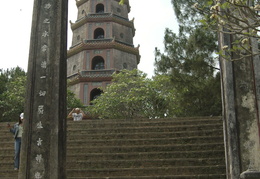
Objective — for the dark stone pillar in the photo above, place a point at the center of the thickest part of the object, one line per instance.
(43, 154)
(241, 102)
(253, 148)
(230, 115)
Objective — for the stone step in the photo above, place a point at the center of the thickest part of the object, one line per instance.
(8, 173)
(144, 141)
(144, 148)
(140, 121)
(144, 163)
(8, 137)
(6, 157)
(130, 125)
(145, 155)
(128, 156)
(144, 122)
(132, 163)
(7, 164)
(200, 176)
(134, 148)
(157, 171)
(6, 151)
(11, 174)
(188, 148)
(166, 128)
(139, 141)
(140, 134)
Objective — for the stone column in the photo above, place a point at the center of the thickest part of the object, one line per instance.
(241, 102)
(43, 154)
(229, 115)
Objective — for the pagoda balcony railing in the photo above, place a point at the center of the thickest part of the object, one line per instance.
(107, 40)
(102, 15)
(102, 40)
(92, 74)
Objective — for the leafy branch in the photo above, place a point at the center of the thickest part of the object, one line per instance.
(239, 18)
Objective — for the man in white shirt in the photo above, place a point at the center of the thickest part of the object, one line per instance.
(77, 114)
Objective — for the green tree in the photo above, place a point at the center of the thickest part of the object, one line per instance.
(187, 16)
(12, 95)
(72, 101)
(124, 98)
(133, 95)
(164, 97)
(239, 18)
(189, 61)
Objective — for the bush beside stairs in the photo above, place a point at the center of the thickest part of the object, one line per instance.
(178, 148)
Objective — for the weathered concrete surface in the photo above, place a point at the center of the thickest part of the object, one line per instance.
(43, 154)
(230, 122)
(241, 116)
(241, 100)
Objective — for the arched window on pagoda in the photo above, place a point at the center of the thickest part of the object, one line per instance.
(95, 93)
(99, 33)
(98, 63)
(100, 8)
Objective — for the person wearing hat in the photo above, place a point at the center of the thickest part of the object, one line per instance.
(17, 130)
(77, 114)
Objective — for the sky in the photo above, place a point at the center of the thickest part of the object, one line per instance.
(150, 22)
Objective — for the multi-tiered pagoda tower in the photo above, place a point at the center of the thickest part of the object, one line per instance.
(102, 44)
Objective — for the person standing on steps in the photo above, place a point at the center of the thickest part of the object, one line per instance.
(77, 114)
(17, 130)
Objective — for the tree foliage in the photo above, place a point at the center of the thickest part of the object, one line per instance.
(192, 74)
(12, 94)
(124, 98)
(133, 95)
(239, 18)
(165, 97)
(190, 62)
(72, 101)
(188, 17)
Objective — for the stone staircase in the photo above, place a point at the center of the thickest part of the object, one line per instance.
(181, 148)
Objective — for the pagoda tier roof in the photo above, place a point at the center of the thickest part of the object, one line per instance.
(98, 44)
(80, 2)
(91, 76)
(103, 17)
